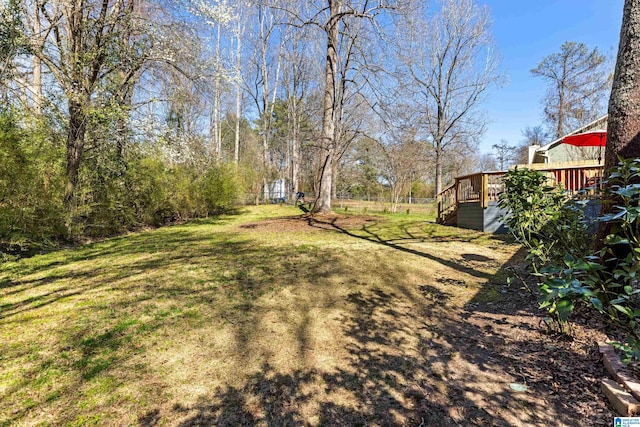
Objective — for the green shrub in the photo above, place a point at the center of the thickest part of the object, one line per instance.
(31, 185)
(150, 184)
(103, 203)
(543, 218)
(562, 256)
(219, 189)
(555, 231)
(117, 190)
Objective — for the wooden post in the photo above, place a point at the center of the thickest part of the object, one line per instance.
(484, 194)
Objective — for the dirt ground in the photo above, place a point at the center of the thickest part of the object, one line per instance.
(308, 222)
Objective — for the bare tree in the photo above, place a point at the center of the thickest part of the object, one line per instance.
(578, 81)
(218, 16)
(505, 153)
(184, 137)
(21, 73)
(297, 80)
(403, 156)
(12, 43)
(330, 104)
(173, 100)
(486, 162)
(346, 63)
(449, 63)
(221, 18)
(268, 41)
(33, 25)
(80, 44)
(333, 18)
(239, 32)
(534, 135)
(404, 161)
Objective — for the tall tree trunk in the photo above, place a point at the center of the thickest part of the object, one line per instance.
(236, 145)
(217, 139)
(37, 68)
(623, 127)
(295, 143)
(334, 179)
(126, 85)
(560, 125)
(323, 204)
(75, 147)
(37, 87)
(295, 164)
(266, 120)
(438, 167)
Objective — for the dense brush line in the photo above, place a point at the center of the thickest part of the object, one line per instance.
(116, 192)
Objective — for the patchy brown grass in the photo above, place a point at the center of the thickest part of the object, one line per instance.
(308, 222)
(272, 318)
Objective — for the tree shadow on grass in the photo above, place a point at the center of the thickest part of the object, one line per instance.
(140, 256)
(411, 357)
(373, 387)
(461, 374)
(143, 295)
(398, 242)
(32, 262)
(444, 384)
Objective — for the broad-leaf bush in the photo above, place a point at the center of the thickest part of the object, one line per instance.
(543, 218)
(556, 231)
(620, 254)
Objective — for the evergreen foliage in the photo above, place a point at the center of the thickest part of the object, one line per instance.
(556, 232)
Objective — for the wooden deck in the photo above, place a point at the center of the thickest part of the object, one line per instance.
(471, 201)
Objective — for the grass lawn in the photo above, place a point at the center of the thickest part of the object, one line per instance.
(262, 318)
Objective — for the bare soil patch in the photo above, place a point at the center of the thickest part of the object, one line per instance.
(308, 222)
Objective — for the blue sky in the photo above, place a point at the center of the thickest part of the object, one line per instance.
(526, 32)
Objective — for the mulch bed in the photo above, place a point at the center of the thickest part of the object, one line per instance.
(565, 370)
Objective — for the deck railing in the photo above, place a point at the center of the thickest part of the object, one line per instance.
(486, 187)
(447, 203)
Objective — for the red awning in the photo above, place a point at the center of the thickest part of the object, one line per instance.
(596, 138)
